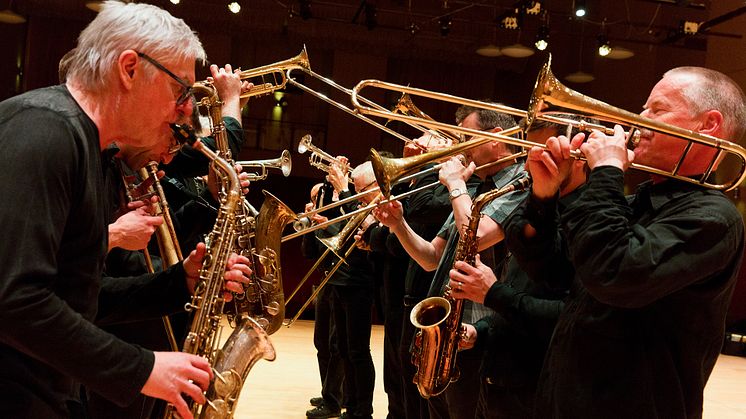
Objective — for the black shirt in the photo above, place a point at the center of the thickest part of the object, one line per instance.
(643, 328)
(53, 220)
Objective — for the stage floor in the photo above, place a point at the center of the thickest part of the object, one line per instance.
(281, 389)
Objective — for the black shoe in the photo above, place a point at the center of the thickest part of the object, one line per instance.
(322, 412)
(316, 401)
(347, 415)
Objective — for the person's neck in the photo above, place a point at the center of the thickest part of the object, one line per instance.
(98, 107)
(492, 170)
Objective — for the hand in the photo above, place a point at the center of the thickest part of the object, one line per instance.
(176, 374)
(243, 178)
(471, 282)
(391, 215)
(245, 88)
(550, 167)
(428, 142)
(608, 150)
(453, 174)
(227, 82)
(132, 231)
(468, 337)
(337, 175)
(237, 271)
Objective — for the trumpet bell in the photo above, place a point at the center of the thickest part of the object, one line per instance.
(304, 144)
(286, 163)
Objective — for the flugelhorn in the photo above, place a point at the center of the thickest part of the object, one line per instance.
(284, 163)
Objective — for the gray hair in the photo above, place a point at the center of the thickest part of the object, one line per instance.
(364, 172)
(122, 26)
(715, 90)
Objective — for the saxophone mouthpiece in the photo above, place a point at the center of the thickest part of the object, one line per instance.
(184, 134)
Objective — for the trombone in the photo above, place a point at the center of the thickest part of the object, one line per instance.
(338, 105)
(284, 163)
(549, 90)
(333, 244)
(406, 106)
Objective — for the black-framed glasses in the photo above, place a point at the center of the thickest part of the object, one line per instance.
(186, 93)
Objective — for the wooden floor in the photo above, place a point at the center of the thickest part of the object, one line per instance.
(281, 389)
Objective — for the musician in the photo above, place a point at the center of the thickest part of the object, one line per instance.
(426, 211)
(331, 370)
(461, 397)
(654, 272)
(52, 266)
(527, 296)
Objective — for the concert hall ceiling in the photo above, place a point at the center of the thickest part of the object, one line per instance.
(446, 29)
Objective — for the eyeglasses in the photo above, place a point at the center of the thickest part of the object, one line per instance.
(367, 187)
(186, 93)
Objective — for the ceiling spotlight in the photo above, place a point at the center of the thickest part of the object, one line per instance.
(511, 20)
(445, 25)
(94, 5)
(371, 17)
(579, 8)
(234, 6)
(305, 9)
(604, 48)
(542, 38)
(175, 1)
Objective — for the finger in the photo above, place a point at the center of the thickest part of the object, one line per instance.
(549, 164)
(192, 390)
(154, 220)
(465, 268)
(201, 377)
(577, 140)
(238, 275)
(135, 205)
(201, 364)
(228, 68)
(181, 408)
(478, 261)
(234, 287)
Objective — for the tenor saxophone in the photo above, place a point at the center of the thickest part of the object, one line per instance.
(439, 318)
(248, 343)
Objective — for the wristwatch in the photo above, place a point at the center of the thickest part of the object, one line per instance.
(456, 192)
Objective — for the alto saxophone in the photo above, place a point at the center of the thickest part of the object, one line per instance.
(439, 318)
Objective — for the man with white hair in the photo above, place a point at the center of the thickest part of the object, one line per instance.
(128, 81)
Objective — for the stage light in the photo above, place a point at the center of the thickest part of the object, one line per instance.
(175, 1)
(542, 38)
(580, 8)
(604, 48)
(234, 7)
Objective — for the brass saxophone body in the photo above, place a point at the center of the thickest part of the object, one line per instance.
(439, 318)
(248, 343)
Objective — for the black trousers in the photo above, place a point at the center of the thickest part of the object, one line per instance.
(460, 399)
(331, 370)
(352, 317)
(415, 406)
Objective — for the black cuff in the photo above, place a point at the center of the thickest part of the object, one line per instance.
(542, 213)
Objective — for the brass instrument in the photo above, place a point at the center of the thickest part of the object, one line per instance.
(333, 244)
(439, 318)
(284, 163)
(165, 234)
(406, 106)
(249, 342)
(376, 204)
(318, 156)
(342, 107)
(277, 71)
(549, 90)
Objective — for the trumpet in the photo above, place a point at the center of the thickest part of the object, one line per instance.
(276, 71)
(318, 156)
(284, 163)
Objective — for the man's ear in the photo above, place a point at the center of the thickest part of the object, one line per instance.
(127, 68)
(712, 123)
